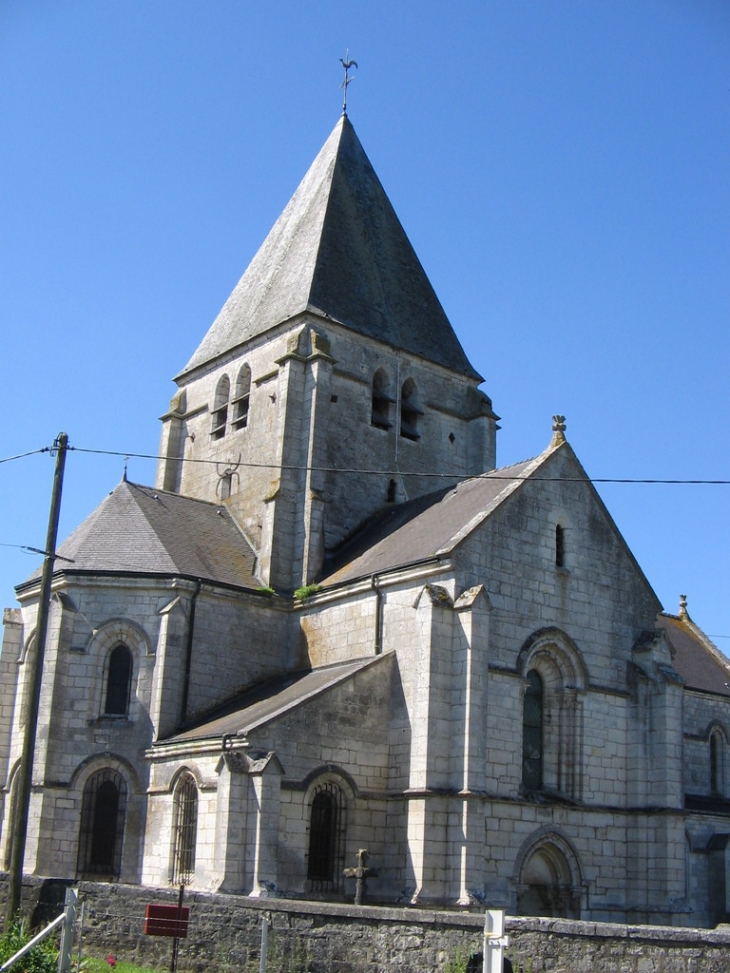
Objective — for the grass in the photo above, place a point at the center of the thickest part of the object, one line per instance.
(306, 591)
(90, 964)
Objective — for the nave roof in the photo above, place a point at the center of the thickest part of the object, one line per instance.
(140, 530)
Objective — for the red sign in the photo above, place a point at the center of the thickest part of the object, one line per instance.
(166, 920)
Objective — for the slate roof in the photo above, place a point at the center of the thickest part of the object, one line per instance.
(428, 526)
(339, 250)
(698, 661)
(271, 699)
(138, 529)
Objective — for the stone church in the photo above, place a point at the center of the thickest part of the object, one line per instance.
(334, 623)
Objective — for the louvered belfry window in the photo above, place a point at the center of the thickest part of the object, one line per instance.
(532, 719)
(242, 398)
(102, 825)
(326, 838)
(186, 831)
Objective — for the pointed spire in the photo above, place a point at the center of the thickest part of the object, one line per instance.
(339, 251)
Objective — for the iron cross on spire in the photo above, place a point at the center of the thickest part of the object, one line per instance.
(346, 64)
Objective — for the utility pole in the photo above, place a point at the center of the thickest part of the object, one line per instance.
(25, 771)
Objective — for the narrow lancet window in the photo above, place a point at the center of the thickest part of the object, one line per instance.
(326, 838)
(102, 825)
(382, 401)
(716, 764)
(242, 398)
(559, 546)
(185, 831)
(410, 412)
(220, 408)
(532, 736)
(118, 683)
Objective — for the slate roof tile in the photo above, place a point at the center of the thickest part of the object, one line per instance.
(425, 527)
(270, 700)
(138, 529)
(698, 661)
(338, 249)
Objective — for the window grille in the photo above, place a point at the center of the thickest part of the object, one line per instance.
(102, 825)
(326, 838)
(118, 683)
(532, 719)
(185, 831)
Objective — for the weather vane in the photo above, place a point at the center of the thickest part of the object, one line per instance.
(346, 64)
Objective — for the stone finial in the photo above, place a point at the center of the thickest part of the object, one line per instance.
(683, 606)
(558, 430)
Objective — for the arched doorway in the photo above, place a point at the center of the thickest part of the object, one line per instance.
(547, 885)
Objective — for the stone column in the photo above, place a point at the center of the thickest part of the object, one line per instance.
(262, 825)
(283, 527)
(169, 670)
(230, 824)
(317, 389)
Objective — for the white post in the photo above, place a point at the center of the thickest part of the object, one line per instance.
(495, 940)
(67, 931)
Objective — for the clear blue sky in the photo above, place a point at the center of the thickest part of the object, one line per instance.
(562, 169)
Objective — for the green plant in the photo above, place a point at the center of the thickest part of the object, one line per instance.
(43, 958)
(457, 964)
(92, 964)
(306, 590)
(265, 589)
(287, 955)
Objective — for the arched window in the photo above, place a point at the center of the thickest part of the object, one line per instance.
(717, 777)
(555, 677)
(119, 681)
(326, 838)
(532, 738)
(185, 831)
(241, 398)
(559, 546)
(220, 408)
(410, 412)
(382, 400)
(102, 825)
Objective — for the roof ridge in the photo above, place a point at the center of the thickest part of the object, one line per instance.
(178, 496)
(510, 487)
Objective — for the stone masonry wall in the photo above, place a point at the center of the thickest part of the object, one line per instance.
(225, 932)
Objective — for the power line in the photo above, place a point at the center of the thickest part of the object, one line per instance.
(492, 475)
(32, 452)
(449, 476)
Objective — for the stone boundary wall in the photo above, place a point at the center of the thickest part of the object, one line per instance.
(312, 937)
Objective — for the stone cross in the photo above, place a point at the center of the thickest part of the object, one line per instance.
(361, 874)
